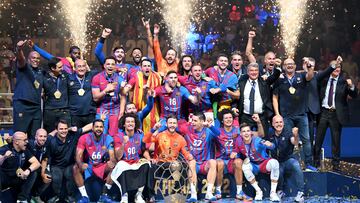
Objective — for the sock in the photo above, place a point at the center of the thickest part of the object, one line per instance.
(273, 186)
(106, 188)
(193, 190)
(209, 189)
(256, 186)
(124, 195)
(238, 189)
(140, 189)
(83, 191)
(218, 188)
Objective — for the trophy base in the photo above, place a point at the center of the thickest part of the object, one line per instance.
(175, 198)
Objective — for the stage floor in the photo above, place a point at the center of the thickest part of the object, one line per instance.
(322, 199)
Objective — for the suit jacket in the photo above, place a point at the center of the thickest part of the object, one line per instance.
(265, 92)
(341, 94)
(313, 104)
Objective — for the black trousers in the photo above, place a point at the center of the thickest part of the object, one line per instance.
(27, 117)
(328, 118)
(23, 186)
(312, 119)
(81, 121)
(61, 177)
(246, 118)
(51, 116)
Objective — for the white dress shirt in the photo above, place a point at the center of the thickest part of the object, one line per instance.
(258, 103)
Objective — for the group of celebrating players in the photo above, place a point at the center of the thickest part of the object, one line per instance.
(119, 124)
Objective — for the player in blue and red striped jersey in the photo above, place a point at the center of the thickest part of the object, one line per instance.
(254, 148)
(98, 147)
(199, 136)
(126, 70)
(171, 98)
(225, 146)
(191, 82)
(129, 148)
(225, 79)
(106, 92)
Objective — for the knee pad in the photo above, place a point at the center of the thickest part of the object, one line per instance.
(273, 167)
(247, 170)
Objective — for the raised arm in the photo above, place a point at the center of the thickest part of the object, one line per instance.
(21, 61)
(249, 47)
(46, 55)
(146, 24)
(99, 46)
(157, 50)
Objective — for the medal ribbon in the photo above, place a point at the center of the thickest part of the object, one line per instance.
(81, 81)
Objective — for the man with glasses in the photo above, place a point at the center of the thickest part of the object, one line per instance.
(289, 101)
(17, 166)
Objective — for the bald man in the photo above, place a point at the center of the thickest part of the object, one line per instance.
(81, 105)
(17, 166)
(27, 93)
(38, 147)
(285, 141)
(289, 101)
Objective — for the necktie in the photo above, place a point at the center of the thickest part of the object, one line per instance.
(252, 97)
(331, 93)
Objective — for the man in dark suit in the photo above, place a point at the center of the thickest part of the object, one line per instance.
(313, 104)
(334, 112)
(255, 96)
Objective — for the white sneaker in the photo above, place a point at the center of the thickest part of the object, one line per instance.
(259, 195)
(139, 198)
(299, 197)
(210, 197)
(274, 197)
(124, 199)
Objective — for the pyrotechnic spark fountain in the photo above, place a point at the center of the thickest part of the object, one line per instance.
(76, 14)
(177, 15)
(292, 13)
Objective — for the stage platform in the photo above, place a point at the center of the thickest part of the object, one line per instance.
(319, 187)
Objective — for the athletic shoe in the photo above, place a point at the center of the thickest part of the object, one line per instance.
(218, 194)
(299, 197)
(139, 198)
(281, 194)
(259, 196)
(192, 199)
(310, 168)
(84, 200)
(124, 199)
(36, 199)
(105, 199)
(242, 196)
(274, 197)
(53, 199)
(210, 197)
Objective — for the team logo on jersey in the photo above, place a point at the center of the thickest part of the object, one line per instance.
(103, 147)
(71, 83)
(177, 94)
(176, 144)
(20, 115)
(204, 87)
(137, 142)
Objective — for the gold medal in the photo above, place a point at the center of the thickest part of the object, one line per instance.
(19, 171)
(81, 92)
(57, 94)
(292, 90)
(36, 84)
